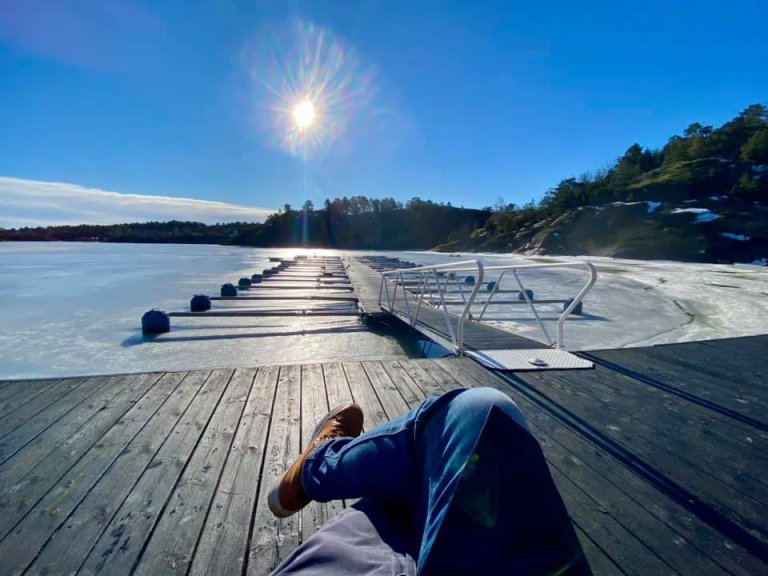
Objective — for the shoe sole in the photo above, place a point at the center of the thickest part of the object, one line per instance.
(273, 499)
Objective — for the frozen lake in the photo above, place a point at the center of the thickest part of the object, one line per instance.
(75, 308)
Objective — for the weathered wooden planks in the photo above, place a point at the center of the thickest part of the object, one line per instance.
(123, 539)
(30, 533)
(716, 476)
(97, 415)
(732, 386)
(274, 538)
(224, 537)
(21, 424)
(83, 527)
(168, 473)
(170, 549)
(16, 393)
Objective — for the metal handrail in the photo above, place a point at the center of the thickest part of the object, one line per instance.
(429, 279)
(515, 268)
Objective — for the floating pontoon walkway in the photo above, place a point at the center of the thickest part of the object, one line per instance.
(306, 287)
(661, 455)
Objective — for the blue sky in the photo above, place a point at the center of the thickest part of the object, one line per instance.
(459, 102)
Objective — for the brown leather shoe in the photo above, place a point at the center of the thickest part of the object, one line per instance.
(287, 496)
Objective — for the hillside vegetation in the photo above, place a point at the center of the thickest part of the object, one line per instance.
(702, 197)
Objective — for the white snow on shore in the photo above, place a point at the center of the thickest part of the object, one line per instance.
(732, 236)
(702, 214)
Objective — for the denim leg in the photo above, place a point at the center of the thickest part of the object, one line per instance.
(381, 464)
(447, 447)
(472, 481)
(417, 459)
(492, 495)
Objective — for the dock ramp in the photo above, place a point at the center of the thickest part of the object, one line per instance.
(447, 303)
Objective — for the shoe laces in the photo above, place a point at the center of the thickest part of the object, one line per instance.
(333, 429)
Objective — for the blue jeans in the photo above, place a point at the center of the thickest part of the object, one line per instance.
(472, 476)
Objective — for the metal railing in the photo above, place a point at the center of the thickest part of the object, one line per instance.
(428, 280)
(438, 287)
(571, 303)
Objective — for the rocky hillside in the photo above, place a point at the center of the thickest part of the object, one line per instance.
(702, 197)
(712, 229)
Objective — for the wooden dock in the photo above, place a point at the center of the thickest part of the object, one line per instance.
(661, 455)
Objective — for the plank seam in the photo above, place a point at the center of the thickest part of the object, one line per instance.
(605, 553)
(300, 519)
(391, 381)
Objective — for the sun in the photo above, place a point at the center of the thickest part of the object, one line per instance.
(304, 114)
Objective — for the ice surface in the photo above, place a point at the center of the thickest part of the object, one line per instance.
(75, 308)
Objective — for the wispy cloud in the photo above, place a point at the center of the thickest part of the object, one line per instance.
(37, 203)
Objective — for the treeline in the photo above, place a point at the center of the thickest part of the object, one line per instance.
(364, 223)
(173, 232)
(356, 222)
(703, 161)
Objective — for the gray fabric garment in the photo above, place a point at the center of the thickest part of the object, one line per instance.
(364, 540)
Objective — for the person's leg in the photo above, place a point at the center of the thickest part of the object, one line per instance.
(475, 477)
(381, 464)
(391, 461)
(448, 451)
(504, 508)
(461, 489)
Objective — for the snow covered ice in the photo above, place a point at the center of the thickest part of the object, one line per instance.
(75, 308)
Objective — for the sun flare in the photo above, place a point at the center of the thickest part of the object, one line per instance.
(304, 114)
(313, 86)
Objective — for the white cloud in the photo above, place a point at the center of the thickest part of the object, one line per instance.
(37, 203)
